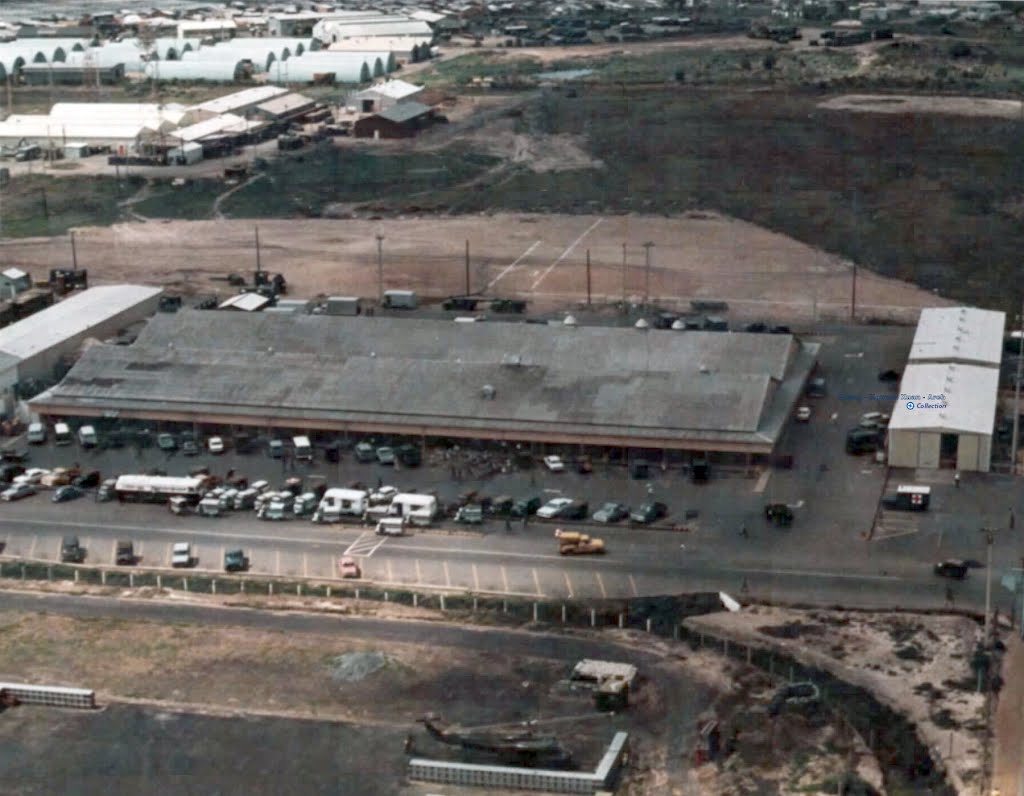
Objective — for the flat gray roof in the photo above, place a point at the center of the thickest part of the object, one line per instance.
(72, 316)
(959, 334)
(568, 381)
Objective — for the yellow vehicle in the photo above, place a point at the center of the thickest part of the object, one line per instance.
(575, 543)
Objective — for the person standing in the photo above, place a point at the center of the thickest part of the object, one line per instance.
(956, 479)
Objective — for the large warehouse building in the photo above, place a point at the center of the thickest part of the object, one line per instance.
(427, 379)
(33, 349)
(946, 412)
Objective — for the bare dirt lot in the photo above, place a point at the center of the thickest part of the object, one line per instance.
(539, 257)
(902, 104)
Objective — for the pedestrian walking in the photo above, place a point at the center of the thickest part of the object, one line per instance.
(956, 479)
(743, 531)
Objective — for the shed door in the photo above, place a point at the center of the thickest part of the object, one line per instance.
(928, 446)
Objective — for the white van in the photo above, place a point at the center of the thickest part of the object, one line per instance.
(87, 437)
(209, 507)
(338, 503)
(36, 433)
(415, 509)
(303, 449)
(391, 526)
(62, 434)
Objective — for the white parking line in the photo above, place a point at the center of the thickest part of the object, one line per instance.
(476, 579)
(391, 575)
(277, 562)
(447, 576)
(32, 549)
(632, 585)
(504, 578)
(600, 583)
(564, 254)
(536, 582)
(508, 268)
(419, 576)
(365, 546)
(568, 584)
(305, 565)
(762, 482)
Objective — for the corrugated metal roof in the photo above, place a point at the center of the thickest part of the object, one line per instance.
(285, 104)
(73, 316)
(247, 302)
(394, 89)
(225, 123)
(947, 397)
(404, 111)
(241, 99)
(586, 380)
(143, 113)
(959, 334)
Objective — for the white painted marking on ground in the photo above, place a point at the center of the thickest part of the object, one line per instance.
(504, 578)
(305, 565)
(632, 585)
(895, 534)
(277, 562)
(568, 584)
(476, 579)
(419, 576)
(814, 574)
(509, 268)
(32, 549)
(762, 482)
(600, 583)
(536, 582)
(391, 575)
(447, 575)
(365, 545)
(564, 254)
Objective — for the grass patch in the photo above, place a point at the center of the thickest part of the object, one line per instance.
(461, 71)
(192, 201)
(307, 183)
(37, 204)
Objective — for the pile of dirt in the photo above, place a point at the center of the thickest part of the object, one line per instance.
(352, 667)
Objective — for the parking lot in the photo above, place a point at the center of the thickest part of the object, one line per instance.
(833, 497)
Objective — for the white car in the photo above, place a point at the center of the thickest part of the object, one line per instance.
(383, 495)
(215, 445)
(17, 492)
(181, 554)
(803, 414)
(554, 464)
(553, 508)
(33, 475)
(874, 420)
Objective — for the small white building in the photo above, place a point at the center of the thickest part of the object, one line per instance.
(382, 96)
(946, 409)
(13, 281)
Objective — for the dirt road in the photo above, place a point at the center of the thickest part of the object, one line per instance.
(539, 257)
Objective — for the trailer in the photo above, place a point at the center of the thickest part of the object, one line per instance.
(414, 508)
(159, 488)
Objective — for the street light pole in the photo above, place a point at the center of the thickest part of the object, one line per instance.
(647, 273)
(1016, 394)
(380, 269)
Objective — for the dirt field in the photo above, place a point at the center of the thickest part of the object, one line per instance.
(896, 103)
(541, 257)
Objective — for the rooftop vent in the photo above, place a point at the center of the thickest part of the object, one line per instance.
(487, 392)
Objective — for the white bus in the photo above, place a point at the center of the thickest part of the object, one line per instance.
(159, 488)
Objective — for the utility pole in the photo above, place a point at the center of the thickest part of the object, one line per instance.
(588, 277)
(74, 252)
(380, 268)
(647, 273)
(467, 267)
(258, 266)
(1016, 392)
(853, 295)
(989, 535)
(623, 273)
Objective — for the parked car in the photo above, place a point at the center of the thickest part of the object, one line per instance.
(524, 507)
(951, 568)
(235, 561)
(332, 452)
(874, 420)
(385, 455)
(410, 455)
(471, 514)
(554, 464)
(803, 414)
(66, 493)
(33, 475)
(71, 552)
(124, 554)
(17, 492)
(364, 453)
(275, 448)
(189, 448)
(87, 480)
(9, 472)
(889, 375)
(584, 465)
(862, 440)
(816, 388)
(576, 510)
(611, 512)
(215, 445)
(167, 442)
(553, 508)
(181, 554)
(649, 512)
(348, 568)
